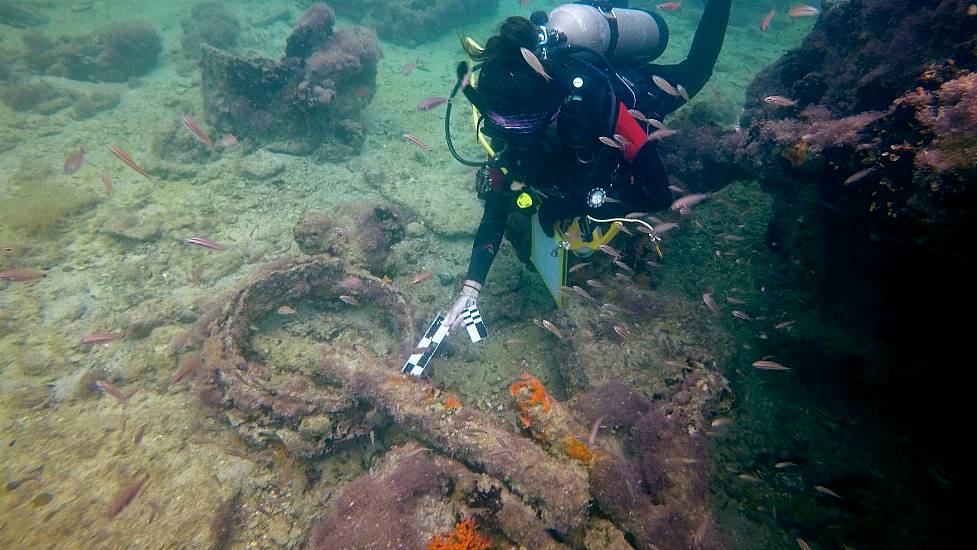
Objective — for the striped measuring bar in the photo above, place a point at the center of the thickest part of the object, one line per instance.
(428, 344)
(472, 320)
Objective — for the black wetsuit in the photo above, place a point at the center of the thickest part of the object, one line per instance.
(646, 186)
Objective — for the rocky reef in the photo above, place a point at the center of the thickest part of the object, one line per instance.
(310, 97)
(864, 137)
(361, 234)
(305, 356)
(410, 23)
(114, 53)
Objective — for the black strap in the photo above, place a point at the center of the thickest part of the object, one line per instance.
(612, 25)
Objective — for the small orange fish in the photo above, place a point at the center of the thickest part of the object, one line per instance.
(664, 85)
(583, 293)
(661, 134)
(74, 163)
(669, 6)
(417, 142)
(779, 101)
(825, 491)
(767, 20)
(124, 157)
(663, 227)
(196, 131)
(689, 201)
(801, 10)
(20, 275)
(125, 497)
(710, 303)
(115, 392)
(553, 329)
(204, 242)
(286, 310)
(768, 365)
(638, 115)
(420, 278)
(622, 265)
(682, 92)
(859, 175)
(227, 140)
(611, 143)
(101, 338)
(530, 58)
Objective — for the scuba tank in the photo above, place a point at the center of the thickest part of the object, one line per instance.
(621, 35)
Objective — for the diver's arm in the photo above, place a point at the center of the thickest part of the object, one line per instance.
(488, 237)
(694, 72)
(650, 191)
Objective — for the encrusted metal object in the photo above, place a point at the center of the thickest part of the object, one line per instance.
(277, 401)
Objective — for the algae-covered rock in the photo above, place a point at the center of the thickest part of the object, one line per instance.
(112, 54)
(96, 103)
(38, 200)
(310, 97)
(36, 96)
(360, 234)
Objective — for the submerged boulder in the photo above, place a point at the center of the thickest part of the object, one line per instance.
(311, 97)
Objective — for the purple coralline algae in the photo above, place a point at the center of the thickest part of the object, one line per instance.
(310, 97)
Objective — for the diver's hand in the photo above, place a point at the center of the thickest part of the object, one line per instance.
(467, 298)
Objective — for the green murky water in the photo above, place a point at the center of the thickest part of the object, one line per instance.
(114, 260)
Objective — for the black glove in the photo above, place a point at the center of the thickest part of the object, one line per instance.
(650, 191)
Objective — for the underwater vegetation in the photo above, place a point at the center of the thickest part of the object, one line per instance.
(409, 22)
(311, 96)
(36, 96)
(44, 98)
(112, 54)
(361, 234)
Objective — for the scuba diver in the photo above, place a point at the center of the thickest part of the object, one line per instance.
(563, 104)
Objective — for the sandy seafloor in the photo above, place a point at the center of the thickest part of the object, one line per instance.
(120, 262)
